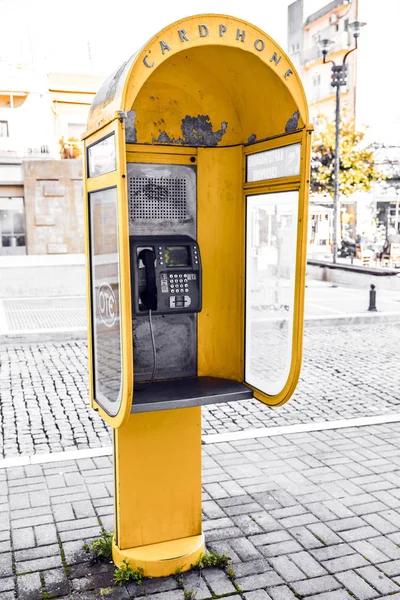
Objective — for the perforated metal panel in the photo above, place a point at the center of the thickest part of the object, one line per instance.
(162, 201)
(157, 198)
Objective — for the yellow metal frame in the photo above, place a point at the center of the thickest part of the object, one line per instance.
(300, 183)
(113, 179)
(157, 462)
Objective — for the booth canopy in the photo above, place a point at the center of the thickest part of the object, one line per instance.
(207, 80)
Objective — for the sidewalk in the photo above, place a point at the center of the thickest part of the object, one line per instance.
(50, 319)
(313, 515)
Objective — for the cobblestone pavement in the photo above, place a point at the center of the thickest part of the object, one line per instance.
(310, 515)
(347, 372)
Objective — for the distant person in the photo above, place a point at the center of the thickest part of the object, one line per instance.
(385, 250)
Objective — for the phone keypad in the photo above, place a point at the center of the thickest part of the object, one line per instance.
(178, 283)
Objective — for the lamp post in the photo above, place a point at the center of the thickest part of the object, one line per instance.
(339, 75)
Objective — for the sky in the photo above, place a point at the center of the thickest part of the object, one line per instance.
(97, 36)
(83, 35)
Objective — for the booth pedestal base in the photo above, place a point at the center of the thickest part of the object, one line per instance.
(160, 560)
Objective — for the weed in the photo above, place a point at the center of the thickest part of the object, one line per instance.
(179, 577)
(100, 550)
(212, 559)
(189, 595)
(125, 573)
(230, 572)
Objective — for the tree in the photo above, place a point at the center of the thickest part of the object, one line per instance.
(357, 169)
(72, 148)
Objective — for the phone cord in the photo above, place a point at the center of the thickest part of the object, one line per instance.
(153, 343)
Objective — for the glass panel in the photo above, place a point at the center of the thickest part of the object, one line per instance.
(105, 285)
(271, 236)
(271, 164)
(3, 128)
(12, 222)
(101, 157)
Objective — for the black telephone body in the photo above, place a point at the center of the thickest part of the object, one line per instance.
(165, 274)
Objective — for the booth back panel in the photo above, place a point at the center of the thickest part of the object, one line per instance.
(162, 201)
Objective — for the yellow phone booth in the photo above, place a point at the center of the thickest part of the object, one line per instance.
(197, 159)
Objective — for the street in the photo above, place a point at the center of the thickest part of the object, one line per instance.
(348, 372)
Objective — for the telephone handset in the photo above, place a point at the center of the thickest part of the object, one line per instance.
(166, 274)
(148, 293)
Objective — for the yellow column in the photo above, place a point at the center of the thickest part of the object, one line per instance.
(157, 472)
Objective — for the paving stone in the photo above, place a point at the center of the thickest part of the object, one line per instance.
(218, 581)
(74, 552)
(45, 534)
(247, 525)
(174, 595)
(244, 549)
(222, 534)
(251, 568)
(5, 565)
(281, 592)
(332, 552)
(390, 568)
(270, 538)
(265, 521)
(29, 586)
(386, 546)
(23, 538)
(317, 585)
(56, 582)
(38, 564)
(376, 578)
(212, 510)
(6, 584)
(256, 581)
(282, 548)
(324, 533)
(286, 569)
(355, 584)
(369, 551)
(307, 564)
(195, 582)
(336, 595)
(257, 595)
(37, 552)
(344, 563)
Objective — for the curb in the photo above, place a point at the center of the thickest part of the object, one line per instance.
(355, 319)
(47, 335)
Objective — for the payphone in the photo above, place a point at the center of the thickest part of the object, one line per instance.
(166, 275)
(196, 192)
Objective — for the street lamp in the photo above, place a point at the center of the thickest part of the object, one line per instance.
(339, 74)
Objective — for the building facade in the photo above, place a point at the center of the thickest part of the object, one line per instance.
(369, 96)
(42, 116)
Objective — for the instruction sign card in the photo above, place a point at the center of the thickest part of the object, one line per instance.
(273, 164)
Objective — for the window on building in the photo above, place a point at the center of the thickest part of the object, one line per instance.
(12, 100)
(3, 128)
(75, 130)
(316, 80)
(12, 225)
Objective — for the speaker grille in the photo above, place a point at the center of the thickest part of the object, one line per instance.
(157, 198)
